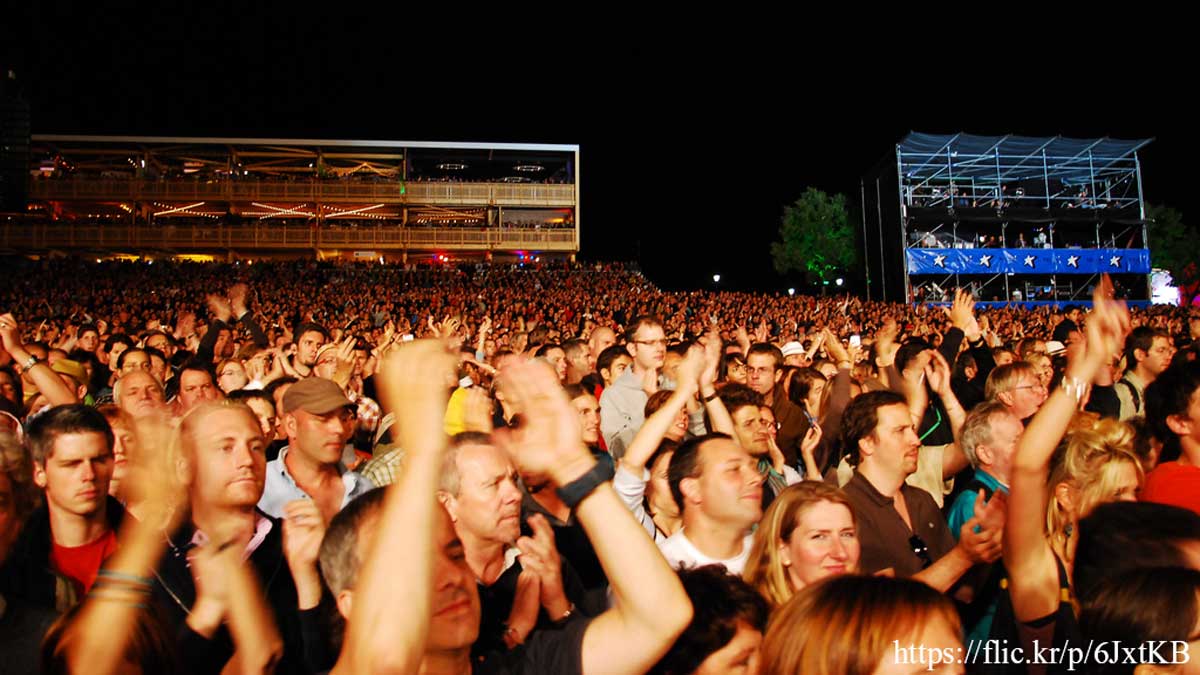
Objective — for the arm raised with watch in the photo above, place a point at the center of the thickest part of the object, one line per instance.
(34, 369)
(651, 607)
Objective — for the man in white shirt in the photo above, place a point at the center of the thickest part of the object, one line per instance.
(719, 490)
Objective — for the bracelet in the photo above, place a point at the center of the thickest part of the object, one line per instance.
(121, 576)
(1076, 388)
(710, 398)
(102, 585)
(32, 361)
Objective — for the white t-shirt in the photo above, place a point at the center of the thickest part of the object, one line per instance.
(680, 552)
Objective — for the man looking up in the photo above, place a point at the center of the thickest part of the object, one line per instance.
(719, 492)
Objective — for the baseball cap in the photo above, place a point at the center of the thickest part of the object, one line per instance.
(315, 395)
(793, 347)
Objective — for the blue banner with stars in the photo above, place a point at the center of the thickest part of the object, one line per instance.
(1028, 260)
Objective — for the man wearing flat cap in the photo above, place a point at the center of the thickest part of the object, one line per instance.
(318, 420)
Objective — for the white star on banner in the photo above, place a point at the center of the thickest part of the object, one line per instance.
(986, 261)
(1029, 261)
(1073, 261)
(939, 260)
(1115, 261)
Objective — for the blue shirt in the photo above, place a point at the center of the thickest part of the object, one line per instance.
(280, 488)
(963, 508)
(962, 511)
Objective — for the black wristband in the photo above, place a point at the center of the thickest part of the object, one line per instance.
(577, 490)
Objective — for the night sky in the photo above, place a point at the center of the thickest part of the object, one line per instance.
(691, 142)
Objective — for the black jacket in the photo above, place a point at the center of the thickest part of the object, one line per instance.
(305, 633)
(27, 575)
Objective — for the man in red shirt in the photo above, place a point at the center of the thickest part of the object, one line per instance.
(1173, 413)
(65, 542)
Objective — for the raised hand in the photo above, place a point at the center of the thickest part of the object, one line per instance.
(712, 358)
(937, 373)
(303, 530)
(691, 369)
(549, 441)
(415, 381)
(986, 545)
(10, 333)
(540, 556)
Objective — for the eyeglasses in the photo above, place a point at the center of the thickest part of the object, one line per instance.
(662, 342)
(1029, 386)
(921, 549)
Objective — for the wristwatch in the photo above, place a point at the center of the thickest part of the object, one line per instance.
(29, 363)
(574, 492)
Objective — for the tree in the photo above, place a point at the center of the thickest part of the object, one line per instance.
(816, 237)
(1174, 247)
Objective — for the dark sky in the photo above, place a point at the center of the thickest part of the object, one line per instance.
(692, 141)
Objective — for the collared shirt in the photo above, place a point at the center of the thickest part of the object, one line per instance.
(883, 534)
(281, 488)
(382, 470)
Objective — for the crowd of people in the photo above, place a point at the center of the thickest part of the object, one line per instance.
(327, 467)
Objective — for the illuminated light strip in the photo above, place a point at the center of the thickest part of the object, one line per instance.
(281, 212)
(341, 213)
(178, 210)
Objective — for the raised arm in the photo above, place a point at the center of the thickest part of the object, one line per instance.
(390, 619)
(718, 414)
(237, 297)
(651, 607)
(1027, 553)
(647, 439)
(48, 382)
(937, 373)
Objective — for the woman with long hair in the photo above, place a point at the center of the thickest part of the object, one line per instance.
(808, 533)
(1054, 485)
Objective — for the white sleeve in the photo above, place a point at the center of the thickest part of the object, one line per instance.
(791, 476)
(632, 490)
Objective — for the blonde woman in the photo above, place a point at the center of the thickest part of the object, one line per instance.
(858, 625)
(809, 533)
(1056, 484)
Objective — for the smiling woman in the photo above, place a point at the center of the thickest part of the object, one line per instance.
(809, 533)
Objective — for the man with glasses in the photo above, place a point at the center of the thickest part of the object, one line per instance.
(318, 420)
(764, 374)
(623, 404)
(1018, 387)
(900, 527)
(1148, 352)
